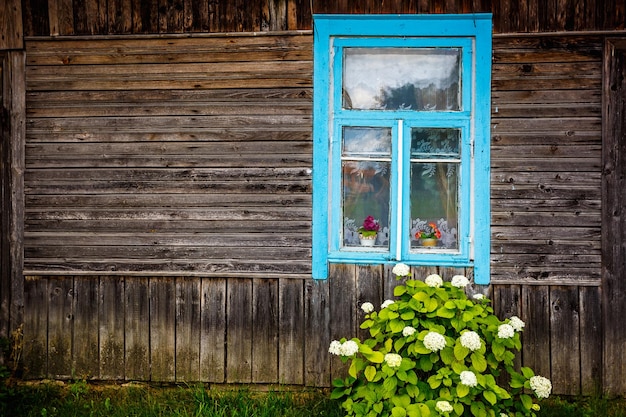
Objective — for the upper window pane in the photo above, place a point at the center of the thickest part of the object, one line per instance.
(421, 79)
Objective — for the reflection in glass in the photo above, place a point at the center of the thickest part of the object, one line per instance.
(421, 79)
(366, 163)
(434, 176)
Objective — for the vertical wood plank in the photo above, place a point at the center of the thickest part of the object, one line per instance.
(369, 288)
(591, 337)
(188, 301)
(35, 327)
(162, 329)
(614, 219)
(14, 101)
(119, 16)
(60, 326)
(291, 336)
(317, 326)
(265, 306)
(239, 328)
(137, 328)
(565, 340)
(112, 327)
(85, 334)
(342, 280)
(536, 347)
(213, 330)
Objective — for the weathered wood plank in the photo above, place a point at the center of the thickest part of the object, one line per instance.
(369, 288)
(60, 324)
(213, 330)
(188, 319)
(536, 315)
(35, 327)
(317, 322)
(565, 340)
(137, 328)
(266, 317)
(591, 340)
(239, 331)
(112, 330)
(162, 329)
(343, 305)
(614, 221)
(85, 341)
(291, 336)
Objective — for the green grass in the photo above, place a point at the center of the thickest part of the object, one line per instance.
(83, 399)
(80, 398)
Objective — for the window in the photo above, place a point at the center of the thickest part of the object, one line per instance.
(401, 140)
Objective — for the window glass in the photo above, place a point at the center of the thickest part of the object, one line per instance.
(435, 166)
(421, 79)
(365, 170)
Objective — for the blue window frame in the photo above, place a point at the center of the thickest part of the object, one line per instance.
(401, 140)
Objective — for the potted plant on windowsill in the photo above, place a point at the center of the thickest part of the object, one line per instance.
(429, 236)
(368, 231)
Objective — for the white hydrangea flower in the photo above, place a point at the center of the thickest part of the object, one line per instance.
(469, 378)
(401, 270)
(459, 281)
(470, 340)
(349, 348)
(386, 304)
(335, 347)
(434, 341)
(434, 280)
(443, 407)
(393, 360)
(408, 331)
(504, 415)
(367, 307)
(505, 331)
(478, 296)
(516, 323)
(542, 386)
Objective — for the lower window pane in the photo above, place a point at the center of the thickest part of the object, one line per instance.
(434, 205)
(365, 194)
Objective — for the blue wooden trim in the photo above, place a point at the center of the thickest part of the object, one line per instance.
(332, 32)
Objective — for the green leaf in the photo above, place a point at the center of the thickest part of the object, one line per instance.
(396, 326)
(479, 362)
(399, 290)
(408, 315)
(490, 396)
(370, 372)
(398, 412)
(445, 313)
(374, 357)
(527, 402)
(462, 390)
(401, 400)
(527, 372)
(367, 323)
(447, 355)
(352, 371)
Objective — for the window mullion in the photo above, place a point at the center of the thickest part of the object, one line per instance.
(399, 205)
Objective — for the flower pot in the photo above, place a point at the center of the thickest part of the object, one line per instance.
(429, 242)
(367, 240)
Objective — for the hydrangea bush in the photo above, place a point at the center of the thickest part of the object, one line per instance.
(434, 352)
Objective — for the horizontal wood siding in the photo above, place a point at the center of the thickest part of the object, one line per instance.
(169, 155)
(546, 160)
(91, 17)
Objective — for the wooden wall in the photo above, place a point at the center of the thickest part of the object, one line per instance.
(91, 17)
(179, 143)
(169, 156)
